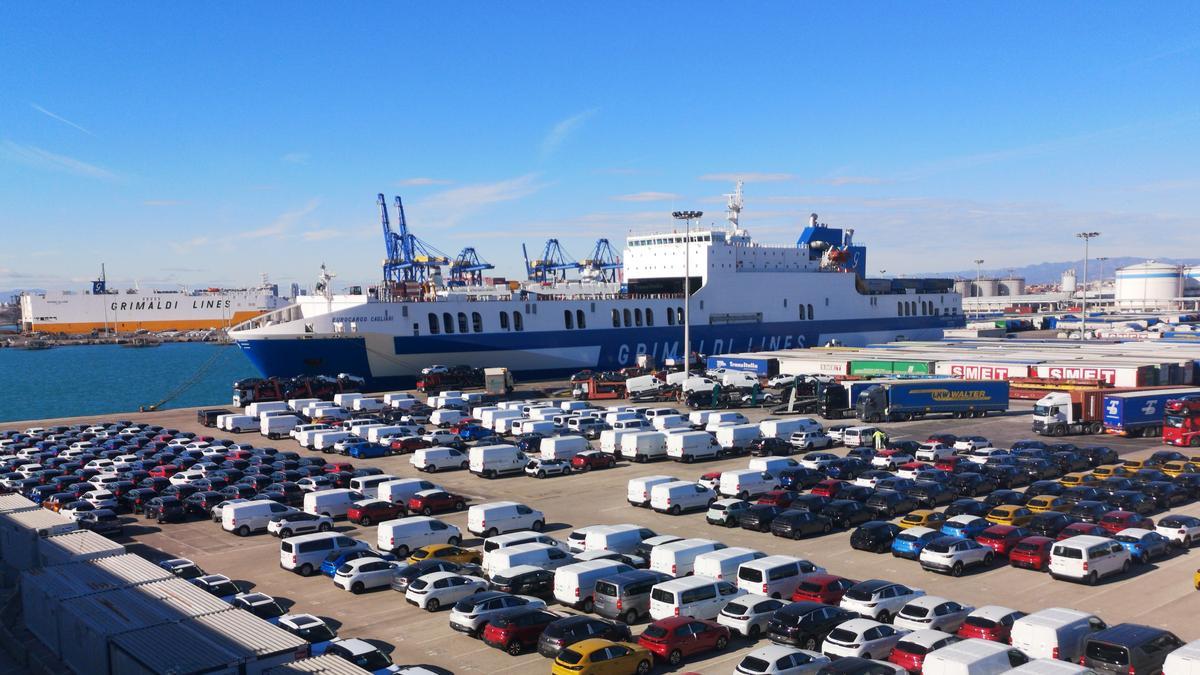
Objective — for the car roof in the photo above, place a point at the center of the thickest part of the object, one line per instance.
(859, 625)
(925, 637)
(1126, 633)
(873, 585)
(356, 646)
(254, 598)
(772, 652)
(993, 612)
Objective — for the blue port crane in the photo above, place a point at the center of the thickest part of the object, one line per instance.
(553, 265)
(603, 264)
(408, 257)
(467, 268)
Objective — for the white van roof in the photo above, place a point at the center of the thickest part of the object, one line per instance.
(684, 544)
(685, 583)
(971, 649)
(491, 505)
(726, 553)
(1054, 616)
(771, 561)
(1082, 541)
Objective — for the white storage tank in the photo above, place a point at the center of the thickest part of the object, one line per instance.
(964, 288)
(1148, 284)
(1191, 280)
(987, 288)
(1012, 286)
(1068, 281)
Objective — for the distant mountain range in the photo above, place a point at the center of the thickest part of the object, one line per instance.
(1051, 272)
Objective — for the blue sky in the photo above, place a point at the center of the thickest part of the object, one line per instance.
(206, 143)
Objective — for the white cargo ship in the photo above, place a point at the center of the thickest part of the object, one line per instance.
(126, 311)
(745, 297)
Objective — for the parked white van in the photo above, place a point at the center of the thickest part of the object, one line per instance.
(1054, 633)
(241, 423)
(724, 417)
(346, 398)
(678, 558)
(643, 446)
(575, 583)
(679, 496)
(405, 535)
(444, 417)
(695, 597)
(399, 490)
(747, 483)
(278, 426)
(491, 461)
(325, 440)
(545, 556)
(610, 441)
(854, 437)
(736, 436)
(513, 538)
(432, 460)
(1184, 661)
(973, 657)
(1056, 667)
(1088, 558)
(669, 422)
(689, 446)
(333, 503)
(775, 576)
(772, 464)
(784, 428)
(723, 564)
(251, 516)
(622, 538)
(368, 486)
(491, 519)
(563, 447)
(637, 491)
(304, 554)
(299, 404)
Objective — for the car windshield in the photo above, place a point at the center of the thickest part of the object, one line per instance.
(750, 574)
(1127, 538)
(912, 648)
(842, 635)
(735, 609)
(753, 664)
(375, 660)
(1107, 653)
(571, 657)
(418, 584)
(1028, 546)
(980, 622)
(859, 594)
(316, 633)
(915, 611)
(938, 547)
(654, 631)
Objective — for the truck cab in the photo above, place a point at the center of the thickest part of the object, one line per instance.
(1059, 413)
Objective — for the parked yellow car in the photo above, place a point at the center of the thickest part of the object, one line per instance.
(1078, 478)
(445, 552)
(1008, 514)
(923, 518)
(1135, 464)
(1043, 503)
(1173, 469)
(1111, 471)
(595, 656)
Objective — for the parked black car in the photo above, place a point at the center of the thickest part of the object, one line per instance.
(1111, 486)
(770, 447)
(1006, 497)
(1089, 511)
(967, 507)
(1039, 470)
(165, 510)
(102, 521)
(1129, 648)
(1007, 476)
(1099, 455)
(810, 502)
(1129, 500)
(972, 484)
(856, 493)
(890, 503)
(928, 494)
(805, 624)
(846, 513)
(571, 629)
(796, 523)
(759, 516)
(1070, 462)
(846, 468)
(1050, 523)
(875, 536)
(1081, 493)
(798, 478)
(1166, 494)
(1045, 487)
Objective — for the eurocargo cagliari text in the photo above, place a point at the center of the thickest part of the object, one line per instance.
(745, 297)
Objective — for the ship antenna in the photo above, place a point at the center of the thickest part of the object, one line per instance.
(733, 208)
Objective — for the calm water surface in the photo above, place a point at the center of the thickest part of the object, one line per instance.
(101, 379)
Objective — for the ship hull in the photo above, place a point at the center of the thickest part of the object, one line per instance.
(391, 361)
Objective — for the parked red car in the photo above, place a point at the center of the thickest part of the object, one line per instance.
(944, 439)
(676, 637)
(374, 511)
(463, 424)
(952, 464)
(1031, 553)
(824, 588)
(427, 502)
(829, 487)
(1002, 538)
(1115, 521)
(518, 630)
(592, 459)
(990, 623)
(911, 656)
(409, 444)
(335, 467)
(164, 471)
(1076, 529)
(780, 498)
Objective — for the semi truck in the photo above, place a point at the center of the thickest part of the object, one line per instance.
(901, 400)
(456, 377)
(1140, 413)
(1181, 423)
(1078, 411)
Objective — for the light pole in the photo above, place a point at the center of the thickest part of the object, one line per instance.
(978, 276)
(686, 217)
(1087, 239)
(1100, 281)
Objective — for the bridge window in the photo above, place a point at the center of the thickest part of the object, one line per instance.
(462, 322)
(679, 316)
(899, 309)
(518, 322)
(649, 317)
(670, 316)
(810, 312)
(568, 320)
(447, 323)
(503, 320)
(616, 318)
(579, 319)
(637, 316)
(628, 320)
(433, 324)
(477, 322)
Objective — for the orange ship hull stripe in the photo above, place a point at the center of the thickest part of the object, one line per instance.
(130, 326)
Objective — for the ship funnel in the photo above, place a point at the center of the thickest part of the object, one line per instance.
(812, 220)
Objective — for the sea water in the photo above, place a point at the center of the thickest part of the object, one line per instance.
(100, 379)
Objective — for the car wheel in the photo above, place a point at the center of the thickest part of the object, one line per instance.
(988, 560)
(433, 605)
(810, 644)
(357, 588)
(884, 617)
(566, 471)
(243, 531)
(402, 551)
(324, 527)
(630, 617)
(514, 648)
(754, 632)
(541, 474)
(366, 521)
(643, 667)
(827, 528)
(464, 466)
(537, 526)
(957, 570)
(722, 643)
(1125, 565)
(490, 532)
(729, 522)
(459, 506)
(306, 570)
(776, 596)
(674, 657)
(587, 606)
(285, 533)
(1092, 579)
(676, 510)
(427, 511)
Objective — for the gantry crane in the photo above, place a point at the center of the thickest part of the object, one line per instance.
(467, 269)
(408, 257)
(553, 265)
(603, 264)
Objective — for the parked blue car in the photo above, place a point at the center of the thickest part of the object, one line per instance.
(1143, 545)
(967, 527)
(909, 543)
(333, 561)
(368, 451)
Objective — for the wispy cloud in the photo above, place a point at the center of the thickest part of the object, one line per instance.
(852, 180)
(321, 235)
(163, 202)
(60, 118)
(748, 176)
(282, 223)
(648, 197)
(559, 133)
(295, 158)
(44, 159)
(423, 180)
(449, 207)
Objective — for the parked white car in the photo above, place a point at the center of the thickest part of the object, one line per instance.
(1181, 530)
(472, 614)
(878, 599)
(817, 461)
(864, 638)
(933, 612)
(541, 468)
(809, 440)
(748, 615)
(438, 589)
(781, 660)
(932, 452)
(955, 555)
(362, 574)
(965, 444)
(285, 525)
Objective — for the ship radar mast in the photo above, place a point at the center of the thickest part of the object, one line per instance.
(733, 208)
(323, 280)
